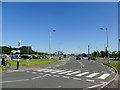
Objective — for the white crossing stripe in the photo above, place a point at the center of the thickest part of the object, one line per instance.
(64, 72)
(49, 70)
(104, 76)
(57, 71)
(81, 74)
(92, 75)
(73, 73)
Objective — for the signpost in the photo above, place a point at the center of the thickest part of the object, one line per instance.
(18, 55)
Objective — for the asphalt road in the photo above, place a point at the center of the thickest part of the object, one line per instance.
(83, 74)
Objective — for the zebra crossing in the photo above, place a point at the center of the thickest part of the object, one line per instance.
(75, 73)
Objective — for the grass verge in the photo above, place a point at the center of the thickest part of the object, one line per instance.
(3, 69)
(115, 65)
(32, 62)
(107, 59)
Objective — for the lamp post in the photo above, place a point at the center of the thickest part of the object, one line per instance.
(107, 43)
(50, 45)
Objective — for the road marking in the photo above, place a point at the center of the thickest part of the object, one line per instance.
(41, 70)
(104, 76)
(92, 75)
(14, 81)
(81, 64)
(22, 79)
(48, 74)
(40, 73)
(34, 72)
(27, 71)
(77, 78)
(112, 71)
(95, 86)
(65, 77)
(49, 70)
(36, 77)
(65, 72)
(56, 75)
(81, 74)
(73, 73)
(57, 71)
(103, 82)
(90, 80)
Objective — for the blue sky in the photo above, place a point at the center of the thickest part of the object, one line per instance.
(77, 25)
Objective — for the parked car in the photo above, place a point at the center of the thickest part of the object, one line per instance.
(117, 58)
(26, 57)
(92, 58)
(16, 57)
(45, 57)
(39, 57)
(78, 58)
(35, 57)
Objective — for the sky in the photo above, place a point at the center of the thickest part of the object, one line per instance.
(77, 25)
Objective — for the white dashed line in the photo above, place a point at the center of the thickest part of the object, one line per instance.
(90, 80)
(40, 73)
(34, 72)
(27, 71)
(48, 74)
(77, 78)
(65, 77)
(56, 75)
(36, 77)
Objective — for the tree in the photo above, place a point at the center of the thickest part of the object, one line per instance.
(114, 54)
(94, 54)
(102, 53)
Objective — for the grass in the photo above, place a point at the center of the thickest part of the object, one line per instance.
(32, 62)
(115, 65)
(107, 59)
(3, 69)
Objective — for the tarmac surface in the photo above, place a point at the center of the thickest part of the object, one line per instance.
(84, 74)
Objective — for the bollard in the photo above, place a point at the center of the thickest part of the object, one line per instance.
(59, 58)
(17, 64)
(3, 61)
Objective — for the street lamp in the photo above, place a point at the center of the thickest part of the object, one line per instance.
(50, 45)
(107, 43)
